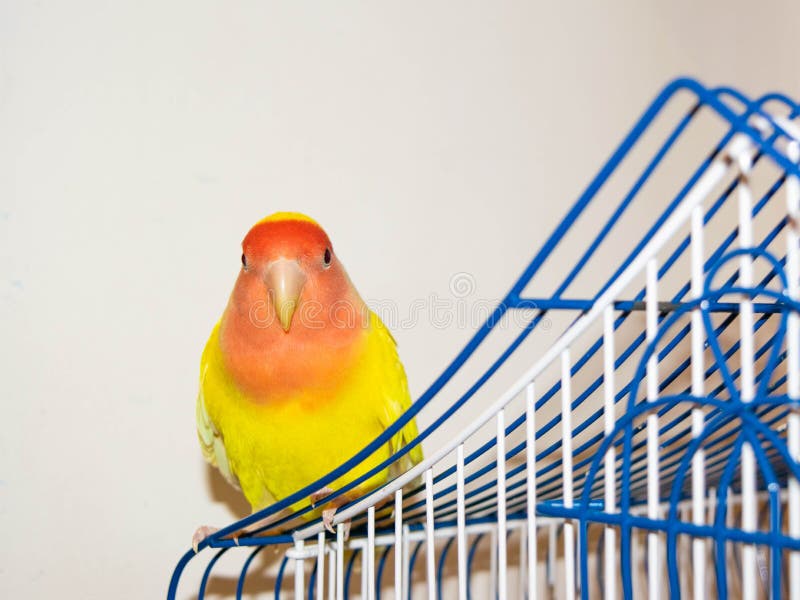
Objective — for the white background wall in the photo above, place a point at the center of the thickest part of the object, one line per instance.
(140, 140)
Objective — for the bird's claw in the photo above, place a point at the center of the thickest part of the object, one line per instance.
(206, 530)
(319, 495)
(202, 533)
(327, 520)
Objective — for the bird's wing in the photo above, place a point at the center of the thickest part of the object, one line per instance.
(211, 441)
(396, 400)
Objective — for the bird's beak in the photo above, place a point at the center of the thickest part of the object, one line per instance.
(285, 280)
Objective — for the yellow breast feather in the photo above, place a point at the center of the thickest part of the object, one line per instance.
(272, 449)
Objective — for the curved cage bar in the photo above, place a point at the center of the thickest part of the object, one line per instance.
(625, 422)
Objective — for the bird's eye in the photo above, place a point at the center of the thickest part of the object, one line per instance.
(326, 259)
(244, 261)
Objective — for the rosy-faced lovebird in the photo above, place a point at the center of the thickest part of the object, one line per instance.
(299, 374)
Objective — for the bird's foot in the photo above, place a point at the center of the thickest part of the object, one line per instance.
(202, 533)
(206, 530)
(327, 520)
(320, 495)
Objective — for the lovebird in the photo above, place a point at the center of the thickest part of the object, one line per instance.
(299, 374)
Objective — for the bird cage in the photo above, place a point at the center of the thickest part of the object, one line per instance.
(647, 444)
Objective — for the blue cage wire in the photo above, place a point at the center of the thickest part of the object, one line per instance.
(649, 448)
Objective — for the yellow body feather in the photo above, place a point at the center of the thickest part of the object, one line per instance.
(272, 449)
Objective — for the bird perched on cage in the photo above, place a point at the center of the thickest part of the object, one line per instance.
(299, 374)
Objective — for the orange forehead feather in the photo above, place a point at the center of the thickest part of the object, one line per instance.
(284, 231)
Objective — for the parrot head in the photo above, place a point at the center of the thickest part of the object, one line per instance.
(291, 305)
(286, 257)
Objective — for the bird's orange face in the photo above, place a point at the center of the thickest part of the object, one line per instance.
(292, 303)
(286, 263)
